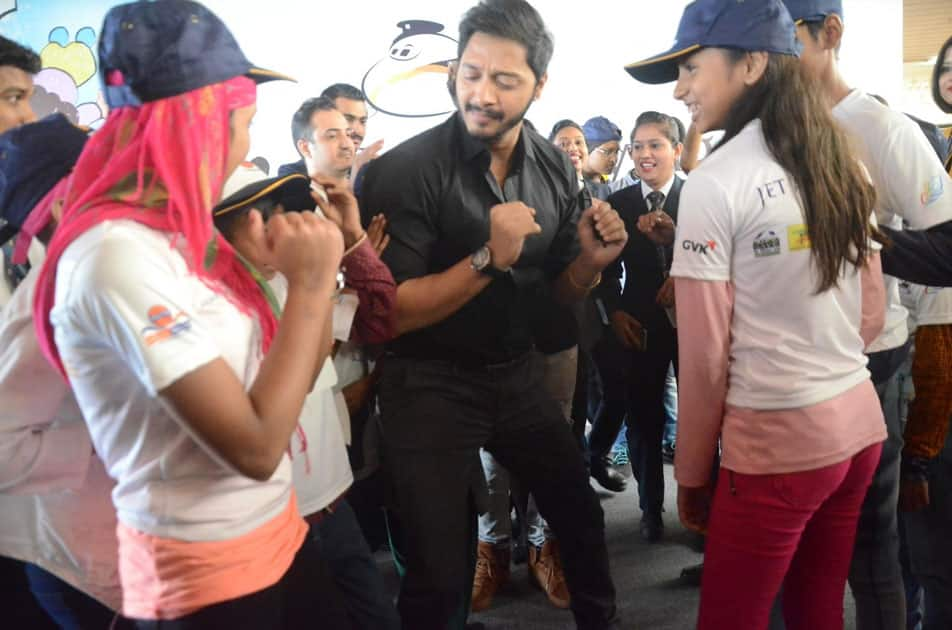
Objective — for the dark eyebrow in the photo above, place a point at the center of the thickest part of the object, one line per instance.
(514, 75)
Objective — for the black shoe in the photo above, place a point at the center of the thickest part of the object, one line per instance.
(667, 453)
(691, 575)
(607, 477)
(652, 528)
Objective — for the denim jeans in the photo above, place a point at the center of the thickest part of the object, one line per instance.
(353, 569)
(875, 573)
(670, 407)
(69, 607)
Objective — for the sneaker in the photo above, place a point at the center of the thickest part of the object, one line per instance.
(619, 455)
(667, 452)
(492, 571)
(545, 572)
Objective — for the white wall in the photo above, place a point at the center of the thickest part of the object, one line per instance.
(324, 42)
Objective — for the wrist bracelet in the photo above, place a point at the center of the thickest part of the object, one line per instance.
(357, 243)
(597, 281)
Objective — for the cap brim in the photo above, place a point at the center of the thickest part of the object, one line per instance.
(260, 75)
(253, 192)
(661, 68)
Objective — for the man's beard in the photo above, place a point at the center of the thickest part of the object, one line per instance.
(506, 125)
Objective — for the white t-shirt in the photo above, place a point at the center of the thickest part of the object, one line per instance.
(740, 222)
(911, 184)
(934, 307)
(55, 510)
(318, 453)
(130, 320)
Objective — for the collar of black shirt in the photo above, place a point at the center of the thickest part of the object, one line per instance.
(472, 149)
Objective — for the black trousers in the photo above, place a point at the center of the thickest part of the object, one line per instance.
(305, 597)
(435, 418)
(633, 384)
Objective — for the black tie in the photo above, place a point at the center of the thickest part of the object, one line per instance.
(655, 202)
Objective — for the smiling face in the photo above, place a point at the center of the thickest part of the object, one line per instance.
(709, 83)
(494, 87)
(572, 142)
(654, 155)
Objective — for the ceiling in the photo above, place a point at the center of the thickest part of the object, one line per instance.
(926, 25)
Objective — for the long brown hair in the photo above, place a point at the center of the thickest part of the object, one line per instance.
(834, 192)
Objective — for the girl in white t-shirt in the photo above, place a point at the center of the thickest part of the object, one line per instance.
(188, 384)
(778, 291)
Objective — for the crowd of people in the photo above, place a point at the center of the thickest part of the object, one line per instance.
(222, 391)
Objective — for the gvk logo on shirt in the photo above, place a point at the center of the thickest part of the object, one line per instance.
(164, 325)
(698, 248)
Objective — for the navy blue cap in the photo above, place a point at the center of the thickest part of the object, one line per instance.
(754, 25)
(600, 130)
(163, 49)
(813, 10)
(33, 158)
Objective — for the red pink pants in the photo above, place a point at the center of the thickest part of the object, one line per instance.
(794, 530)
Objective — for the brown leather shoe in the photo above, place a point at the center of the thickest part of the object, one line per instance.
(492, 571)
(545, 571)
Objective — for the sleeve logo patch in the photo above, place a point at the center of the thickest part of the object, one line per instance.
(767, 243)
(932, 190)
(164, 325)
(798, 237)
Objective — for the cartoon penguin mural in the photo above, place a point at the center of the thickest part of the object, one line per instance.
(410, 82)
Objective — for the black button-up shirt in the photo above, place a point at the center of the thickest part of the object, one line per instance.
(436, 191)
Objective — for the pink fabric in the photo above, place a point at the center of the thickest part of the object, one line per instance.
(38, 219)
(795, 529)
(874, 300)
(754, 441)
(162, 165)
(703, 351)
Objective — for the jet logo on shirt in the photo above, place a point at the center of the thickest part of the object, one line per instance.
(164, 325)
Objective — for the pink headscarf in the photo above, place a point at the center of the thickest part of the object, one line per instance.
(162, 165)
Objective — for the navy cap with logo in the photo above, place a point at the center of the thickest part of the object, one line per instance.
(33, 158)
(154, 50)
(753, 25)
(813, 10)
(599, 130)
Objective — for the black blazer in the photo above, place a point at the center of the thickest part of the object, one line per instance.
(643, 272)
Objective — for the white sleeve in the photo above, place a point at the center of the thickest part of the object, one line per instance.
(130, 297)
(44, 443)
(915, 185)
(703, 242)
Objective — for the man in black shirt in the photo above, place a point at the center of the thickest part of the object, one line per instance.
(481, 212)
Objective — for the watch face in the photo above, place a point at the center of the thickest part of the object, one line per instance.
(481, 258)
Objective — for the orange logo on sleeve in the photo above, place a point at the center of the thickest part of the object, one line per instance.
(164, 324)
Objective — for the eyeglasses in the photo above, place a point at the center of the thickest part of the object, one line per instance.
(609, 153)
